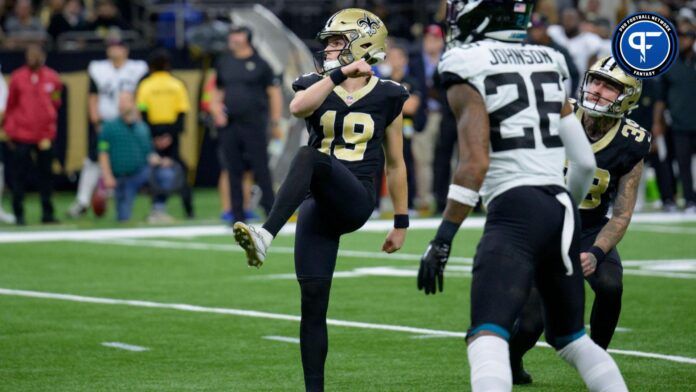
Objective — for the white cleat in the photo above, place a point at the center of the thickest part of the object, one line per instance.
(254, 241)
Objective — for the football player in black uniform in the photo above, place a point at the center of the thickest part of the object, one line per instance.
(620, 145)
(353, 118)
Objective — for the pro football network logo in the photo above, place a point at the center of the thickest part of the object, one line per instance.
(645, 45)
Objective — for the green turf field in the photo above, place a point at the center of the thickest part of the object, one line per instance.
(207, 322)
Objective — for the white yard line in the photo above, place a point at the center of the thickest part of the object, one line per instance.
(370, 226)
(165, 244)
(287, 317)
(285, 339)
(124, 346)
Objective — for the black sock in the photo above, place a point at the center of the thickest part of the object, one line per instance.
(307, 165)
(314, 340)
(606, 309)
(446, 231)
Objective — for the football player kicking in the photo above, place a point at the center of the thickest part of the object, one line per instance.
(513, 122)
(620, 145)
(352, 118)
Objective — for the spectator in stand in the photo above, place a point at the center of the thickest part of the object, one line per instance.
(5, 217)
(423, 66)
(396, 68)
(247, 94)
(164, 102)
(128, 160)
(677, 96)
(582, 45)
(70, 19)
(22, 21)
(537, 35)
(107, 19)
(30, 123)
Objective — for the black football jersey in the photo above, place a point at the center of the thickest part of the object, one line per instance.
(616, 153)
(352, 126)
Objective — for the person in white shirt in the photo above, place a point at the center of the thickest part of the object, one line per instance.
(582, 45)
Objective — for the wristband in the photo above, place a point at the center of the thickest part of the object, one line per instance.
(400, 221)
(337, 77)
(463, 195)
(598, 253)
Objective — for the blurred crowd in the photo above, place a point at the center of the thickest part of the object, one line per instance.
(137, 109)
(27, 21)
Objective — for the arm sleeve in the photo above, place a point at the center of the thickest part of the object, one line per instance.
(103, 141)
(581, 160)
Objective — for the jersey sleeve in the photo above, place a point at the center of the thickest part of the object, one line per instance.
(303, 82)
(639, 141)
(270, 78)
(141, 96)
(462, 65)
(398, 96)
(182, 100)
(561, 65)
(103, 144)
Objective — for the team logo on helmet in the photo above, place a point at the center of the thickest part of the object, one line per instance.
(369, 25)
(645, 45)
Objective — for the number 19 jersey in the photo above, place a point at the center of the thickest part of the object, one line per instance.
(522, 87)
(352, 126)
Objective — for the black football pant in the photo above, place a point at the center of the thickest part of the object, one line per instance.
(244, 143)
(22, 161)
(684, 149)
(521, 244)
(442, 161)
(332, 202)
(606, 282)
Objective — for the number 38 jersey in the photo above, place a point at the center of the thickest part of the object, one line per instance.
(616, 153)
(352, 126)
(522, 87)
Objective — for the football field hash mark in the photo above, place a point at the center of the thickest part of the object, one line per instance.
(285, 339)
(124, 346)
(288, 317)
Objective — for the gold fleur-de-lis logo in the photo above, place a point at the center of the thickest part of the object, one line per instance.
(369, 25)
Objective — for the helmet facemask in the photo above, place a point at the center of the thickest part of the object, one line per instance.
(344, 56)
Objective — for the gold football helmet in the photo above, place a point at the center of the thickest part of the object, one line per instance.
(630, 89)
(365, 36)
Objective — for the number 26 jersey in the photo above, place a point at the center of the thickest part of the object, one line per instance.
(352, 126)
(522, 88)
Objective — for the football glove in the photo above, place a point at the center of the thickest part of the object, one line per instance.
(432, 267)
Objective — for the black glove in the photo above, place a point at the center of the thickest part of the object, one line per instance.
(432, 267)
